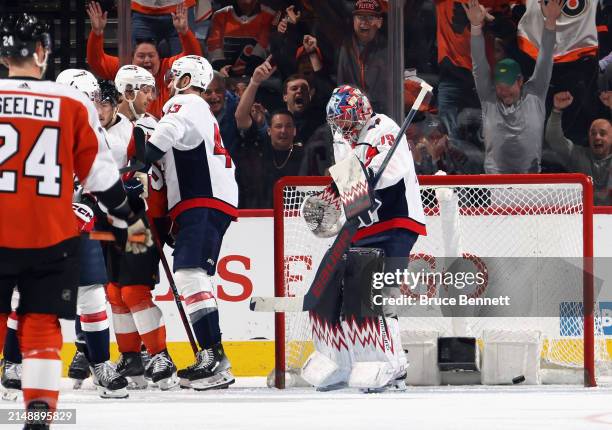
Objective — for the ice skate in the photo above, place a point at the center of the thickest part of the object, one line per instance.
(79, 369)
(109, 383)
(212, 370)
(163, 371)
(131, 367)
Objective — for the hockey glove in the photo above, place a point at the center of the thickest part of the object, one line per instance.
(124, 230)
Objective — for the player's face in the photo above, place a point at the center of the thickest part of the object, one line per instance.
(366, 26)
(509, 94)
(297, 96)
(106, 113)
(215, 96)
(282, 131)
(600, 138)
(144, 97)
(147, 57)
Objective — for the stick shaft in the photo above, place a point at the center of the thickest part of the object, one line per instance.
(175, 293)
(108, 236)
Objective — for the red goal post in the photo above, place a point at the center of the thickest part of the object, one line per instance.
(286, 207)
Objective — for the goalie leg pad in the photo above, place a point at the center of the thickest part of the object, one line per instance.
(322, 372)
(361, 266)
(376, 352)
(330, 364)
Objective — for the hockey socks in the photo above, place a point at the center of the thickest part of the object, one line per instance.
(93, 323)
(40, 338)
(136, 317)
(196, 287)
(3, 328)
(11, 344)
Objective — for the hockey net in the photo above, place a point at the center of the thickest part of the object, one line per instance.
(504, 217)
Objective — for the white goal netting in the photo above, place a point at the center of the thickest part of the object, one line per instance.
(528, 237)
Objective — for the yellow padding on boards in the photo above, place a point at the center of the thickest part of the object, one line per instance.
(249, 358)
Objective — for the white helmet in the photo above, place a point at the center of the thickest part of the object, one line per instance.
(198, 68)
(82, 80)
(132, 77)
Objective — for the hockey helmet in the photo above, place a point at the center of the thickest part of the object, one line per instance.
(19, 35)
(82, 80)
(198, 68)
(108, 92)
(133, 78)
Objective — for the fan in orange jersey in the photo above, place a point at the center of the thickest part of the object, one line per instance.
(238, 38)
(50, 132)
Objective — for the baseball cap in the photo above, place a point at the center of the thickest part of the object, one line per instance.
(507, 71)
(367, 7)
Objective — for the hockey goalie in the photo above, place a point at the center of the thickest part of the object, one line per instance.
(357, 344)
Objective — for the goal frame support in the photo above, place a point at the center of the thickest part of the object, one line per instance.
(453, 180)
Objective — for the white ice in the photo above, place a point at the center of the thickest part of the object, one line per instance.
(249, 405)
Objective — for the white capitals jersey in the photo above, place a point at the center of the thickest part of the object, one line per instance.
(398, 188)
(119, 138)
(198, 170)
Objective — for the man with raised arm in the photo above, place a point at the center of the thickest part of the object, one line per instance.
(513, 111)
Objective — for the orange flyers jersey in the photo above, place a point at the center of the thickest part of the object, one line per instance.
(48, 133)
(453, 32)
(235, 39)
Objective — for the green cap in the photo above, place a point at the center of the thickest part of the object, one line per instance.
(507, 71)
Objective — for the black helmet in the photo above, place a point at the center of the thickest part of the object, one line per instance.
(108, 92)
(19, 34)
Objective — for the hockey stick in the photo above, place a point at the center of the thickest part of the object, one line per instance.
(329, 263)
(107, 236)
(175, 293)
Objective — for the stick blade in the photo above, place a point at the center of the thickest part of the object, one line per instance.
(277, 304)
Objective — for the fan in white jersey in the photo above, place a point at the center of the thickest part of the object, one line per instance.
(347, 346)
(202, 199)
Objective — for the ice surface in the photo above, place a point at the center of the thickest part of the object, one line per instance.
(249, 405)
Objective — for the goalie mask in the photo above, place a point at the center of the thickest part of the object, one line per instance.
(133, 79)
(348, 110)
(82, 80)
(19, 35)
(197, 68)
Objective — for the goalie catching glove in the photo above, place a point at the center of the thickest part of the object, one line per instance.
(323, 212)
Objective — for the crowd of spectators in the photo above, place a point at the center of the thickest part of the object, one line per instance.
(521, 86)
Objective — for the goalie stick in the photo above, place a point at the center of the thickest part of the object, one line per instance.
(328, 266)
